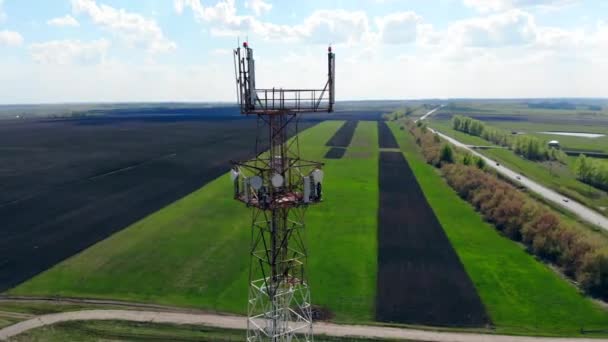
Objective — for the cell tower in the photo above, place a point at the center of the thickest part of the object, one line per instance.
(278, 186)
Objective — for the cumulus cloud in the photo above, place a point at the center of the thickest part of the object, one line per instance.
(500, 5)
(399, 28)
(511, 27)
(514, 27)
(66, 20)
(337, 26)
(557, 38)
(10, 38)
(465, 57)
(67, 52)
(322, 26)
(226, 22)
(258, 7)
(133, 28)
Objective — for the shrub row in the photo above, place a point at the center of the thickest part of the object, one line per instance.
(580, 256)
(529, 147)
(592, 171)
(398, 114)
(437, 153)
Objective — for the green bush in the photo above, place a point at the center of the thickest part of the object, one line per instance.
(529, 147)
(542, 231)
(592, 171)
(447, 155)
(519, 217)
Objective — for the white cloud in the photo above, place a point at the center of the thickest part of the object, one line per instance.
(258, 7)
(66, 20)
(557, 38)
(106, 82)
(133, 28)
(10, 38)
(514, 27)
(68, 52)
(500, 5)
(399, 28)
(322, 26)
(464, 57)
(335, 26)
(226, 22)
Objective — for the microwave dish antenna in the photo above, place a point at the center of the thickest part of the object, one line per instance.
(278, 186)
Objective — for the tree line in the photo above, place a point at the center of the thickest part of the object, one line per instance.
(592, 171)
(582, 256)
(399, 114)
(529, 147)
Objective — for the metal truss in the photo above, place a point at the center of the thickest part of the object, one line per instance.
(279, 307)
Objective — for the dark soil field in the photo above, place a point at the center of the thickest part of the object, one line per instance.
(386, 139)
(67, 184)
(335, 153)
(344, 135)
(420, 278)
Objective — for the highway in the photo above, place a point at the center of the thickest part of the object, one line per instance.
(430, 113)
(580, 210)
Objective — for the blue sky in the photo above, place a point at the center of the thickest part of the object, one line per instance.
(180, 50)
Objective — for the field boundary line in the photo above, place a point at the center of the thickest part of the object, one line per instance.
(239, 323)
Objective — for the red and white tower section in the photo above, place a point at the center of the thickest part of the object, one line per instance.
(278, 186)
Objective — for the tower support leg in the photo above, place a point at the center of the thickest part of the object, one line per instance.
(279, 306)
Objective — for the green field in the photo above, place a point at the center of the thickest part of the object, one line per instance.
(567, 142)
(344, 223)
(522, 295)
(195, 251)
(556, 176)
(516, 116)
(520, 108)
(445, 127)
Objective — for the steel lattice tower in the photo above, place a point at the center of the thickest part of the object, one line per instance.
(278, 186)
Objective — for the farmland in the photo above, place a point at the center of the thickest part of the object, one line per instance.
(558, 176)
(391, 242)
(341, 140)
(342, 280)
(520, 294)
(67, 184)
(335, 153)
(525, 111)
(191, 269)
(518, 117)
(420, 279)
(344, 135)
(386, 139)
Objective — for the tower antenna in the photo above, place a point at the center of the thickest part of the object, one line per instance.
(278, 185)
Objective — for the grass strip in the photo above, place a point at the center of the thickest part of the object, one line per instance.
(521, 295)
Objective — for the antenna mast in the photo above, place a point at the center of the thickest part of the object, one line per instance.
(278, 186)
